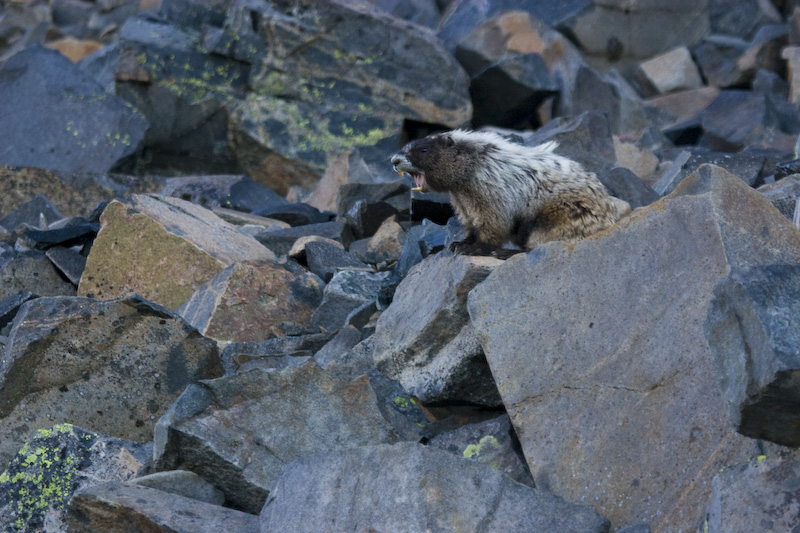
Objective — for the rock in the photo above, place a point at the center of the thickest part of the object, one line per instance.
(55, 463)
(37, 212)
(672, 71)
(750, 329)
(127, 359)
(764, 51)
(739, 17)
(68, 262)
(491, 443)
(637, 392)
(508, 92)
(11, 304)
(408, 487)
(95, 130)
(233, 192)
(281, 241)
(681, 113)
(33, 272)
(259, 421)
(297, 115)
(615, 30)
(717, 57)
(74, 232)
(625, 185)
(252, 300)
(422, 12)
(280, 352)
(295, 214)
(792, 56)
(187, 246)
(386, 245)
(735, 119)
(639, 160)
(364, 218)
(747, 165)
(182, 483)
(114, 507)
(783, 194)
(425, 340)
(344, 340)
(74, 49)
(348, 292)
(758, 495)
(325, 259)
(350, 194)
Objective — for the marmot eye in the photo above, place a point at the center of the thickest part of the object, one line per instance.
(424, 150)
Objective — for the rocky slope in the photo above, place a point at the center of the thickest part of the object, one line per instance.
(220, 310)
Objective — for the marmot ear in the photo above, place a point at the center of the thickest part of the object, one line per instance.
(448, 141)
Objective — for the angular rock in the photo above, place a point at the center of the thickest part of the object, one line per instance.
(639, 160)
(349, 194)
(187, 245)
(233, 192)
(336, 83)
(586, 139)
(422, 12)
(425, 339)
(681, 113)
(764, 51)
(409, 487)
(115, 366)
(736, 119)
(783, 194)
(261, 420)
(33, 272)
(491, 443)
(364, 218)
(324, 259)
(717, 57)
(627, 186)
(348, 292)
(509, 92)
(182, 483)
(95, 130)
(252, 300)
(273, 353)
(294, 214)
(114, 507)
(387, 243)
(37, 212)
(751, 330)
(55, 463)
(569, 344)
(672, 71)
(281, 241)
(760, 495)
(747, 165)
(345, 340)
(11, 304)
(69, 262)
(75, 232)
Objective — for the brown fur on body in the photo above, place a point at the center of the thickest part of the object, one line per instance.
(503, 191)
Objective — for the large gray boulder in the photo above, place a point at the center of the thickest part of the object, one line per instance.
(410, 488)
(425, 339)
(603, 339)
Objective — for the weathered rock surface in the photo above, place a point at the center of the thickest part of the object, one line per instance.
(623, 372)
(33, 272)
(408, 488)
(58, 118)
(759, 495)
(127, 359)
(251, 301)
(55, 463)
(258, 421)
(425, 339)
(198, 244)
(117, 507)
(349, 293)
(230, 191)
(751, 329)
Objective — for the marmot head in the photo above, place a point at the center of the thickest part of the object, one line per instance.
(432, 162)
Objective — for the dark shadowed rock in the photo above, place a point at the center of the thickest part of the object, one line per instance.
(717, 59)
(746, 165)
(297, 214)
(273, 353)
(409, 488)
(58, 118)
(626, 185)
(736, 119)
(233, 192)
(32, 271)
(260, 420)
(349, 194)
(37, 212)
(251, 301)
(187, 246)
(182, 483)
(759, 495)
(69, 262)
(622, 369)
(348, 292)
(585, 139)
(115, 507)
(324, 259)
(783, 194)
(425, 339)
(11, 304)
(281, 241)
(73, 232)
(55, 463)
(114, 366)
(491, 443)
(364, 218)
(752, 328)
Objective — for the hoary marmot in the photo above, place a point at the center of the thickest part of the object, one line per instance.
(502, 191)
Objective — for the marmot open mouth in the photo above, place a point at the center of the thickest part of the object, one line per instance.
(419, 180)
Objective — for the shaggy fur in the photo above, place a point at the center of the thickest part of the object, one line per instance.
(503, 191)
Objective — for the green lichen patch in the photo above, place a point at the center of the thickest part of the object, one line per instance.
(44, 474)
